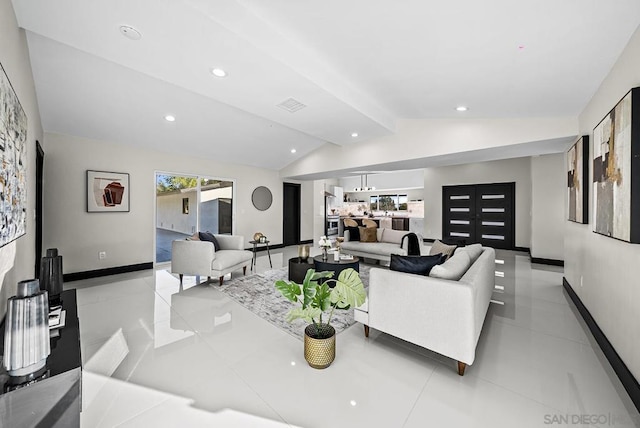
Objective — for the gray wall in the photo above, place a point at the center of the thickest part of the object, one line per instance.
(17, 259)
(510, 170)
(548, 189)
(128, 238)
(605, 272)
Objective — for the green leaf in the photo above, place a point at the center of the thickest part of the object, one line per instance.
(349, 290)
(308, 288)
(290, 290)
(307, 314)
(322, 299)
(321, 275)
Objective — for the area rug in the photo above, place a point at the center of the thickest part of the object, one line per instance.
(258, 294)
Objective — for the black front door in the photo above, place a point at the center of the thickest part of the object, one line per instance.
(479, 213)
(291, 214)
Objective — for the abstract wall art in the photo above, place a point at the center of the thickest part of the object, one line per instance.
(13, 178)
(107, 191)
(616, 171)
(577, 179)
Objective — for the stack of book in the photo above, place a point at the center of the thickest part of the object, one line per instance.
(56, 320)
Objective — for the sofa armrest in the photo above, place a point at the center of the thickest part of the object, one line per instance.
(230, 242)
(433, 313)
(192, 257)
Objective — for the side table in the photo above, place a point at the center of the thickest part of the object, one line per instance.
(255, 249)
(298, 269)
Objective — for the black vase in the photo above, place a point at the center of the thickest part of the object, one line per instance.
(51, 275)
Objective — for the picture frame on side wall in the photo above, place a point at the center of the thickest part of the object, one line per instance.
(107, 191)
(616, 171)
(13, 163)
(577, 179)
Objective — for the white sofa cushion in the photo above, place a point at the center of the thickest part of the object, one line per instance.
(226, 258)
(393, 236)
(374, 248)
(453, 268)
(474, 251)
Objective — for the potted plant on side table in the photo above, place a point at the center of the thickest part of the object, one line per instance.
(317, 299)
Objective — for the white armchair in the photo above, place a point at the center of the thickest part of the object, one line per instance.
(192, 257)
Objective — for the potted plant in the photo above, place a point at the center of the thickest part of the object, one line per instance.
(316, 299)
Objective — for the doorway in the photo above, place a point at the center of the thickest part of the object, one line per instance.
(480, 213)
(186, 204)
(291, 214)
(39, 193)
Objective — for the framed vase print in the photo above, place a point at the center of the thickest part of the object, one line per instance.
(107, 191)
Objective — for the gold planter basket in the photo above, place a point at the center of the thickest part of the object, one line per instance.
(319, 353)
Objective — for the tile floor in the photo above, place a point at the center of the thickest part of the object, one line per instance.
(158, 355)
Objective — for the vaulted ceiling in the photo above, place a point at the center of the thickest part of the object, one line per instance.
(349, 66)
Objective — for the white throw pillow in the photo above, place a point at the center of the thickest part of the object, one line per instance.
(453, 268)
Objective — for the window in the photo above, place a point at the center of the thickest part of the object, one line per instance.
(389, 202)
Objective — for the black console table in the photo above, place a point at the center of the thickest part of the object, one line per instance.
(54, 399)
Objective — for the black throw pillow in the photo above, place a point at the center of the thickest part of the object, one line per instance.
(354, 233)
(419, 265)
(207, 236)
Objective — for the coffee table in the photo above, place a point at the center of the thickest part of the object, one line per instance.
(335, 266)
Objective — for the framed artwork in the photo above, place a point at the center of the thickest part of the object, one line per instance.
(107, 191)
(13, 155)
(577, 179)
(616, 171)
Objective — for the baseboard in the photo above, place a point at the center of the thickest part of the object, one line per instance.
(308, 241)
(76, 276)
(542, 261)
(629, 382)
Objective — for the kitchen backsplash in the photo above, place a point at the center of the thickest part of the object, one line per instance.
(414, 209)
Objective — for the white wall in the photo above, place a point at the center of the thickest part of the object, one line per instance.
(391, 180)
(417, 141)
(511, 170)
(128, 238)
(306, 210)
(604, 272)
(548, 188)
(17, 259)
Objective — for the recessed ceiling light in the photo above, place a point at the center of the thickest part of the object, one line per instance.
(170, 118)
(218, 72)
(130, 32)
(354, 134)
(461, 108)
(293, 150)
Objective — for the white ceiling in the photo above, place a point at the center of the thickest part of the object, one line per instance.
(357, 65)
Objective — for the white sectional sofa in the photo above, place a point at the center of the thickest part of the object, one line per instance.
(388, 243)
(443, 315)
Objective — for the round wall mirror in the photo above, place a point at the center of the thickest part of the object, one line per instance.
(262, 198)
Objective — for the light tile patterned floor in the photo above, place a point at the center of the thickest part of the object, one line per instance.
(159, 355)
